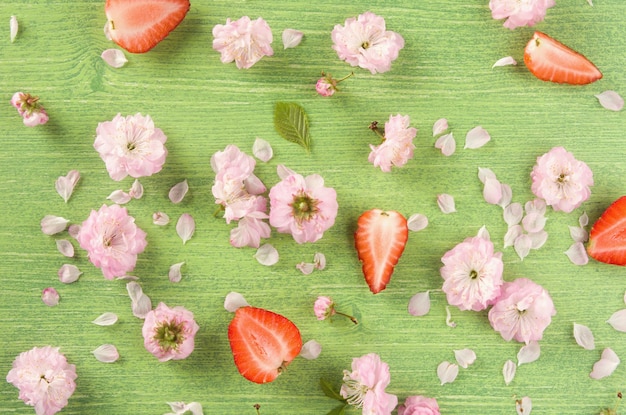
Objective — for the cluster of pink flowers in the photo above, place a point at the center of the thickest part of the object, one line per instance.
(397, 146)
(365, 386)
(169, 333)
(239, 191)
(244, 41)
(30, 109)
(520, 12)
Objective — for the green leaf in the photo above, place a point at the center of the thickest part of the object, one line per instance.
(292, 123)
(329, 391)
(340, 410)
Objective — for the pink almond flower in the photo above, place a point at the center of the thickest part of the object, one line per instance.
(131, 146)
(522, 312)
(561, 180)
(520, 12)
(30, 109)
(112, 240)
(244, 41)
(397, 146)
(365, 42)
(472, 274)
(303, 207)
(364, 387)
(44, 378)
(169, 333)
(419, 405)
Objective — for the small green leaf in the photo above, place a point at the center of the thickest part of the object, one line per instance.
(292, 123)
(329, 391)
(340, 410)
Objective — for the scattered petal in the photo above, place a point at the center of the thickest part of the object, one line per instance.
(262, 150)
(590, 2)
(319, 260)
(419, 304)
(69, 273)
(512, 234)
(14, 26)
(440, 126)
(181, 408)
(175, 274)
(107, 353)
(417, 222)
(185, 227)
(618, 320)
(536, 205)
(584, 337)
(291, 38)
(513, 214)
(305, 267)
(611, 100)
(583, 220)
(311, 350)
(528, 353)
(446, 144)
(508, 371)
(267, 255)
(127, 278)
(142, 307)
(523, 406)
(483, 233)
(65, 247)
(577, 254)
(446, 203)
(160, 218)
(119, 196)
(234, 301)
(283, 171)
(447, 372)
(534, 222)
(537, 239)
(492, 191)
(134, 291)
(507, 60)
(105, 319)
(449, 321)
(476, 138)
(178, 191)
(50, 297)
(51, 225)
(465, 357)
(507, 195)
(522, 245)
(73, 230)
(114, 58)
(485, 173)
(578, 234)
(136, 190)
(606, 365)
(64, 185)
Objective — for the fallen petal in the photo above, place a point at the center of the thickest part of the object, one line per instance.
(507, 60)
(419, 304)
(534, 222)
(119, 196)
(485, 173)
(483, 233)
(64, 185)
(440, 126)
(291, 38)
(105, 319)
(134, 291)
(305, 267)
(492, 191)
(578, 234)
(507, 195)
(508, 371)
(180, 408)
(69, 273)
(512, 234)
(107, 353)
(50, 297)
(14, 28)
(476, 138)
(142, 307)
(266, 255)
(284, 171)
(234, 301)
(447, 372)
(513, 214)
(65, 247)
(523, 406)
(175, 274)
(311, 350)
(319, 261)
(160, 218)
(584, 337)
(522, 245)
(73, 230)
(465, 357)
(136, 190)
(127, 278)
(51, 225)
(446, 144)
(536, 205)
(449, 321)
(446, 203)
(528, 353)
(583, 220)
(606, 365)
(178, 191)
(577, 254)
(417, 222)
(114, 58)
(185, 227)
(590, 2)
(537, 239)
(262, 150)
(611, 100)
(618, 320)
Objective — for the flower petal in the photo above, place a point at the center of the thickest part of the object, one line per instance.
(446, 203)
(185, 227)
(262, 150)
(142, 306)
(522, 245)
(508, 371)
(534, 222)
(64, 185)
(583, 220)
(465, 357)
(291, 38)
(513, 214)
(119, 196)
(305, 267)
(50, 297)
(160, 218)
(69, 273)
(578, 234)
(446, 144)
(105, 319)
(537, 239)
(266, 255)
(447, 372)
(14, 28)
(449, 321)
(440, 126)
(73, 230)
(512, 234)
(618, 320)
(65, 247)
(507, 60)
(606, 365)
(528, 353)
(523, 406)
(417, 222)
(114, 58)
(175, 274)
(476, 138)
(584, 337)
(419, 304)
(107, 353)
(311, 350)
(492, 191)
(577, 254)
(507, 195)
(483, 233)
(234, 301)
(485, 173)
(136, 190)
(178, 191)
(134, 291)
(284, 171)
(611, 100)
(51, 225)
(319, 260)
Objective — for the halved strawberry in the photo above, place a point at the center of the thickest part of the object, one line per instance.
(550, 60)
(380, 239)
(139, 25)
(263, 343)
(607, 239)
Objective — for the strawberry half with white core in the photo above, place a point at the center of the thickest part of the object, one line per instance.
(263, 343)
(380, 239)
(607, 239)
(139, 25)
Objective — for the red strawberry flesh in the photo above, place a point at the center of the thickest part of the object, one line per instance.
(607, 239)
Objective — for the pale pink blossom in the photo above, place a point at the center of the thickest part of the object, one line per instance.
(44, 378)
(326, 86)
(419, 405)
(364, 387)
(364, 41)
(131, 146)
(397, 146)
(30, 109)
(522, 312)
(169, 333)
(112, 240)
(561, 180)
(303, 207)
(50, 296)
(520, 12)
(324, 307)
(244, 41)
(472, 274)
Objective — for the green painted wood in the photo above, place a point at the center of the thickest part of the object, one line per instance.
(203, 105)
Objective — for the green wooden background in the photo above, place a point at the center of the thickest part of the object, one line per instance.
(203, 105)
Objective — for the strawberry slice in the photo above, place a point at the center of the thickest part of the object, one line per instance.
(550, 60)
(607, 239)
(263, 343)
(139, 25)
(380, 239)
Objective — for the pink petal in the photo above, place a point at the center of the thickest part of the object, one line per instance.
(142, 307)
(305, 267)
(449, 321)
(507, 195)
(266, 255)
(440, 126)
(537, 239)
(136, 190)
(446, 144)
(447, 372)
(127, 278)
(483, 233)
(584, 337)
(446, 203)
(134, 291)
(507, 60)
(175, 274)
(106, 319)
(69, 273)
(14, 28)
(417, 222)
(114, 58)
(107, 353)
(319, 260)
(234, 301)
(577, 254)
(485, 173)
(291, 38)
(262, 150)
(178, 191)
(523, 406)
(51, 225)
(578, 234)
(160, 218)
(65, 247)
(119, 196)
(522, 245)
(284, 171)
(492, 191)
(583, 220)
(50, 297)
(618, 320)
(534, 222)
(476, 138)
(508, 371)
(465, 357)
(606, 365)
(185, 227)
(419, 304)
(528, 353)
(311, 350)
(73, 230)
(64, 185)
(513, 214)
(611, 100)
(512, 234)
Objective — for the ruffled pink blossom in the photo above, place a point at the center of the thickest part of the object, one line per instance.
(131, 146)
(44, 378)
(561, 180)
(364, 387)
(419, 405)
(323, 307)
(519, 12)
(244, 41)
(169, 333)
(112, 240)
(364, 41)
(522, 312)
(397, 146)
(30, 109)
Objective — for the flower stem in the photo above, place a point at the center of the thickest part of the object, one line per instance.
(257, 407)
(345, 77)
(374, 127)
(352, 319)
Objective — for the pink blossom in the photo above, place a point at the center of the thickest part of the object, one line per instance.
(112, 240)
(365, 42)
(522, 312)
(30, 109)
(561, 180)
(44, 378)
(243, 41)
(397, 146)
(169, 333)
(131, 146)
(472, 274)
(303, 207)
(520, 12)
(364, 387)
(327, 85)
(323, 307)
(419, 405)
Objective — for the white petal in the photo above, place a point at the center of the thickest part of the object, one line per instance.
(577, 254)
(136, 190)
(73, 231)
(522, 245)
(449, 321)
(492, 191)
(311, 350)
(319, 260)
(119, 196)
(485, 173)
(536, 205)
(65, 247)
(419, 304)
(483, 233)
(446, 203)
(590, 2)
(611, 100)
(446, 144)
(195, 408)
(142, 307)
(606, 365)
(618, 320)
(185, 227)
(528, 353)
(537, 239)
(127, 278)
(440, 126)
(14, 27)
(234, 301)
(476, 138)
(534, 222)
(134, 291)
(465, 357)
(507, 195)
(417, 222)
(114, 58)
(508, 371)
(513, 214)
(178, 191)
(291, 38)
(507, 60)
(69, 273)
(107, 353)
(160, 218)
(578, 234)
(51, 225)
(175, 274)
(262, 150)
(305, 267)
(266, 255)
(523, 406)
(584, 337)
(447, 372)
(284, 171)
(50, 297)
(583, 220)
(512, 234)
(106, 319)
(64, 185)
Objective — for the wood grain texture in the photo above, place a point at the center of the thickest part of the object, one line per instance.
(203, 105)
